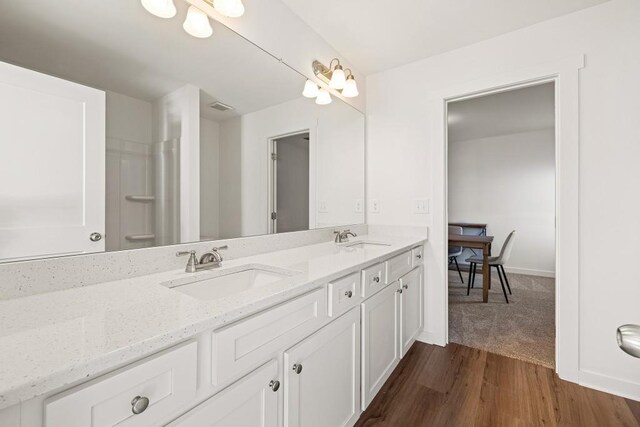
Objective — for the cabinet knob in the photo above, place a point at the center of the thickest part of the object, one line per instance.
(376, 279)
(139, 404)
(405, 286)
(419, 256)
(95, 237)
(297, 368)
(274, 385)
(348, 294)
(399, 291)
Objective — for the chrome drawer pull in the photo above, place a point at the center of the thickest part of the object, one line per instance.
(348, 294)
(274, 385)
(139, 404)
(297, 368)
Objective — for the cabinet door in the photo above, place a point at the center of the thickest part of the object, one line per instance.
(380, 340)
(52, 165)
(410, 308)
(251, 401)
(322, 376)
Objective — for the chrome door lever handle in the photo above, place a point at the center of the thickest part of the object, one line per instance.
(628, 337)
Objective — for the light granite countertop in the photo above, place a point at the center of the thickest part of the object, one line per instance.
(51, 340)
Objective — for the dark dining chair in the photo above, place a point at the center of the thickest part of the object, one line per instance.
(497, 261)
(455, 251)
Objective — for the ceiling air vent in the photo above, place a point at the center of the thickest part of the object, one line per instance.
(220, 106)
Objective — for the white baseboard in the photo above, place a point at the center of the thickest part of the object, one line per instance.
(530, 272)
(431, 338)
(610, 385)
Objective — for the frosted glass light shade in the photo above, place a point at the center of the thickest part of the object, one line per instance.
(310, 89)
(230, 8)
(197, 23)
(338, 78)
(350, 88)
(160, 8)
(324, 97)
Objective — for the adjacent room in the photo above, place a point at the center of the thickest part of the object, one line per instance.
(501, 190)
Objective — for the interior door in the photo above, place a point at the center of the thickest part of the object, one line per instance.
(322, 376)
(52, 179)
(252, 401)
(380, 349)
(410, 308)
(290, 156)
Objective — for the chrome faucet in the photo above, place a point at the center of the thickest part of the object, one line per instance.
(343, 236)
(208, 260)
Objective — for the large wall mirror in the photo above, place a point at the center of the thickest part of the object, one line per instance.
(120, 131)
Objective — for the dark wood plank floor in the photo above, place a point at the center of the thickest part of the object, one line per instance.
(463, 386)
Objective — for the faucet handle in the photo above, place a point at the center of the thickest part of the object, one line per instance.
(220, 248)
(183, 253)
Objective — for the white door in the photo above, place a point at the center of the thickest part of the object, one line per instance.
(380, 338)
(251, 401)
(410, 308)
(322, 376)
(52, 165)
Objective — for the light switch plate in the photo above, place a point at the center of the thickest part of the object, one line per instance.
(375, 206)
(359, 204)
(322, 206)
(421, 206)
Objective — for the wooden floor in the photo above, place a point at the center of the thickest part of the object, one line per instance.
(463, 386)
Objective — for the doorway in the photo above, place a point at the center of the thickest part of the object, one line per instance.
(289, 181)
(501, 186)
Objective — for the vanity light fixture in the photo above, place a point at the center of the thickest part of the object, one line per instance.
(230, 8)
(310, 89)
(324, 97)
(197, 23)
(160, 8)
(337, 78)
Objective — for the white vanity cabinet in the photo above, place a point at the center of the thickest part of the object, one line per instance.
(380, 350)
(322, 376)
(251, 401)
(410, 302)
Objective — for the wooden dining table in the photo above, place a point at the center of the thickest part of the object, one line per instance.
(477, 242)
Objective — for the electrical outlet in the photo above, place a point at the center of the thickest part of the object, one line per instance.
(375, 206)
(421, 206)
(359, 206)
(322, 206)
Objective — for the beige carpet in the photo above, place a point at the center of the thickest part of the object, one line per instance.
(523, 329)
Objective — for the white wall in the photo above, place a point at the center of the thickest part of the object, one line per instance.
(398, 129)
(336, 169)
(128, 170)
(209, 179)
(508, 182)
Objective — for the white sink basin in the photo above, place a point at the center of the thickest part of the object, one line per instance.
(366, 245)
(221, 283)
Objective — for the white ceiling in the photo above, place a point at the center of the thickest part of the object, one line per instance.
(376, 35)
(515, 111)
(116, 45)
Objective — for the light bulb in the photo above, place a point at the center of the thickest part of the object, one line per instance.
(230, 8)
(160, 8)
(338, 78)
(324, 97)
(310, 89)
(197, 23)
(350, 88)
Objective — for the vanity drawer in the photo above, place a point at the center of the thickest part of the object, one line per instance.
(398, 266)
(417, 256)
(249, 343)
(343, 294)
(167, 380)
(374, 278)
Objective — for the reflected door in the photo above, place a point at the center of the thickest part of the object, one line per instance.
(290, 157)
(52, 184)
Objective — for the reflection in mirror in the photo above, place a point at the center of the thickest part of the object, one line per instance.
(118, 130)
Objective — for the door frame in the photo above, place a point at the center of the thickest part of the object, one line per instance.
(272, 193)
(565, 74)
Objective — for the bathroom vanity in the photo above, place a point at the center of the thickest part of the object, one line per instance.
(304, 336)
